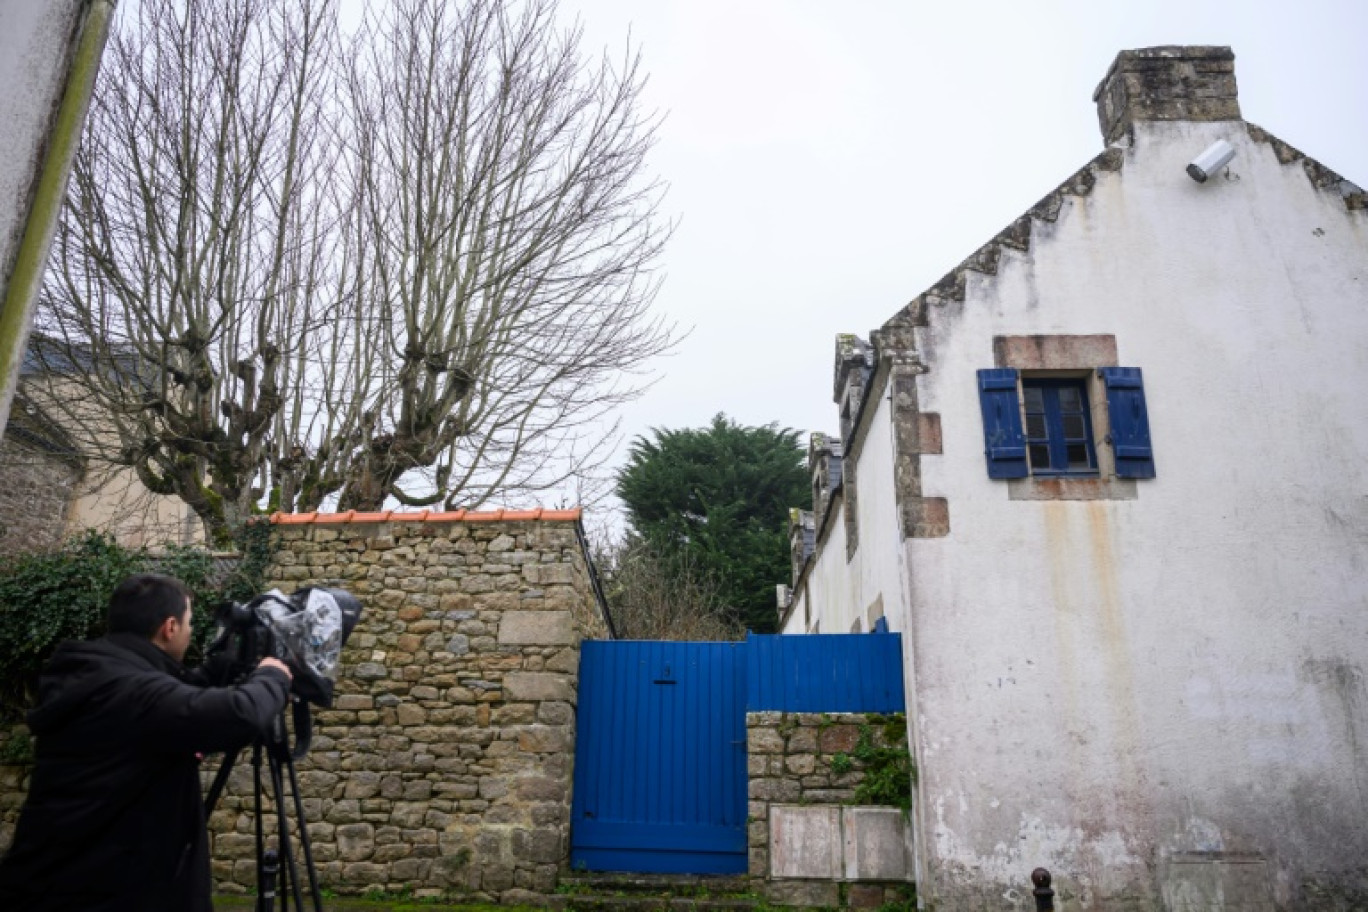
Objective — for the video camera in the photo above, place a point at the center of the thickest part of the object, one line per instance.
(305, 630)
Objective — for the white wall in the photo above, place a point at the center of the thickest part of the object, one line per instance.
(1102, 685)
(840, 592)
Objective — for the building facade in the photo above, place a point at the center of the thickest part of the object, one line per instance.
(1107, 477)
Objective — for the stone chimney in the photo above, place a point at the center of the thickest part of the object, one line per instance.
(1166, 83)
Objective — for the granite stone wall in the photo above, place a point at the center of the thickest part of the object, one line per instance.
(808, 842)
(445, 765)
(35, 488)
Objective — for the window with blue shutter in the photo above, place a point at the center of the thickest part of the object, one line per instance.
(1057, 438)
(1003, 441)
(1130, 433)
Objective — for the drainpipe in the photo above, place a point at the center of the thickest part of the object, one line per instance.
(20, 290)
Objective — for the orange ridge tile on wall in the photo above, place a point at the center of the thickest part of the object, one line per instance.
(354, 516)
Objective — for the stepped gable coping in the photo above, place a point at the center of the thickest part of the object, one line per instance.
(1017, 235)
(355, 516)
(1322, 178)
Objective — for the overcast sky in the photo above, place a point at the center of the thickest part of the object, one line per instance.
(829, 161)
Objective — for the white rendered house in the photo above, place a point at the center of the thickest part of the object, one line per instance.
(1109, 479)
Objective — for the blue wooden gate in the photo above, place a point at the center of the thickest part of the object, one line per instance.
(660, 752)
(660, 758)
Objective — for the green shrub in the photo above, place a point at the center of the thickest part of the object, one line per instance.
(889, 773)
(51, 596)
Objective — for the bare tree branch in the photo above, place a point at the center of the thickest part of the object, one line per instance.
(419, 271)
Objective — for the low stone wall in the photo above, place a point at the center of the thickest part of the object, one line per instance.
(808, 844)
(445, 766)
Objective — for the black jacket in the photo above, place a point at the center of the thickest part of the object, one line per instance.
(114, 819)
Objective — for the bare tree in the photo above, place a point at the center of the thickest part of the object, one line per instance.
(504, 240)
(654, 597)
(193, 275)
(422, 274)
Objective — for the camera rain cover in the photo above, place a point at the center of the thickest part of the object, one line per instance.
(309, 628)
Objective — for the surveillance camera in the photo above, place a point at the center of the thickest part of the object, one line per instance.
(1215, 157)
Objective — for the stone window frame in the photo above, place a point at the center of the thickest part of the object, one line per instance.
(1068, 357)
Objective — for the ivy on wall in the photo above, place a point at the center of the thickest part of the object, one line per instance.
(51, 596)
(889, 773)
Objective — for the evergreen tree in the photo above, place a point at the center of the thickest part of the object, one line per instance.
(718, 497)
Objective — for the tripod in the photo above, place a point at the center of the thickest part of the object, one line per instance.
(277, 866)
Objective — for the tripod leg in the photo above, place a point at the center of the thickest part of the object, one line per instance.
(220, 780)
(265, 892)
(304, 840)
(287, 868)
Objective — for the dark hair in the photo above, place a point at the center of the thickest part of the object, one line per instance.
(144, 601)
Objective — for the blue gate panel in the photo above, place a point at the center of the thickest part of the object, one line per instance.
(827, 673)
(660, 758)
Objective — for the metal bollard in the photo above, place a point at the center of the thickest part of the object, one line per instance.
(1044, 896)
(270, 873)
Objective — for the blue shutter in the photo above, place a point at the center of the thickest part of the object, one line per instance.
(1003, 441)
(1130, 433)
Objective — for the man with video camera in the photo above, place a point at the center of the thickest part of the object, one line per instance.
(114, 820)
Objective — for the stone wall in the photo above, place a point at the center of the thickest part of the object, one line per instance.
(807, 842)
(445, 766)
(35, 488)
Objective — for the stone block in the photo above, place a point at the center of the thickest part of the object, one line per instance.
(566, 662)
(556, 714)
(547, 739)
(537, 628)
(410, 870)
(805, 842)
(365, 872)
(362, 784)
(545, 846)
(865, 896)
(355, 841)
(775, 790)
(803, 741)
(348, 810)
(877, 843)
(542, 788)
(838, 739)
(538, 686)
(477, 583)
(804, 894)
(764, 741)
(408, 814)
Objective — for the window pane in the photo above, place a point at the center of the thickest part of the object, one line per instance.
(1035, 426)
(1069, 399)
(1078, 457)
(1073, 427)
(1040, 457)
(1035, 399)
